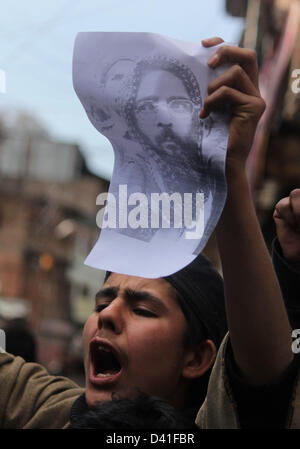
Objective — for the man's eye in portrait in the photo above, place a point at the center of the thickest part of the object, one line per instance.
(99, 113)
(175, 106)
(117, 77)
(181, 106)
(146, 107)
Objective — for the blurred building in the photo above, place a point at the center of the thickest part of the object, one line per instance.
(272, 28)
(47, 228)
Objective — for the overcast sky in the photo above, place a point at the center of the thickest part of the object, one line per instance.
(36, 46)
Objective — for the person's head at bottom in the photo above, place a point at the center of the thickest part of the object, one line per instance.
(139, 411)
(155, 336)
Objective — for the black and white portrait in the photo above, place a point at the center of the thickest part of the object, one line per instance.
(144, 93)
(162, 113)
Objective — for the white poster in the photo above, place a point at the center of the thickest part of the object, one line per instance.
(144, 93)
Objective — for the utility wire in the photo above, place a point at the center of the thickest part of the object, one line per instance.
(46, 26)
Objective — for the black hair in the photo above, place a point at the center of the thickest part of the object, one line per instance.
(194, 334)
(139, 412)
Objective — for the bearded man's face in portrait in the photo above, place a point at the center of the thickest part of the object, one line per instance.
(165, 118)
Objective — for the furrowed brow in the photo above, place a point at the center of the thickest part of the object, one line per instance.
(132, 295)
(107, 293)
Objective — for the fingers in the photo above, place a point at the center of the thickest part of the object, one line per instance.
(224, 96)
(236, 78)
(283, 211)
(288, 209)
(236, 88)
(212, 41)
(295, 205)
(245, 57)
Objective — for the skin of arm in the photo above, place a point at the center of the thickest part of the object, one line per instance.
(258, 323)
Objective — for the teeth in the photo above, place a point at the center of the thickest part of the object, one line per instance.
(104, 374)
(103, 348)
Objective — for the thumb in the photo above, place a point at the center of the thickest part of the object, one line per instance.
(284, 221)
(283, 228)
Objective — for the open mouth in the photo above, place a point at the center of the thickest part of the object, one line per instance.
(106, 362)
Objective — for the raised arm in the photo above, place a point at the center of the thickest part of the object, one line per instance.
(258, 324)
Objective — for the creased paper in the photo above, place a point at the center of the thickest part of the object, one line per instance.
(144, 92)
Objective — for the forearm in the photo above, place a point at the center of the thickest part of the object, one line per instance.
(258, 323)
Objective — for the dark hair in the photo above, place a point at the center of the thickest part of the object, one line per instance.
(139, 412)
(199, 290)
(194, 334)
(172, 65)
